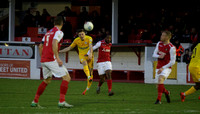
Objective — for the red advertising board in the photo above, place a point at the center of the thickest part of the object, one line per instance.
(14, 68)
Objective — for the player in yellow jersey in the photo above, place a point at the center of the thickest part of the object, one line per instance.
(84, 44)
(194, 68)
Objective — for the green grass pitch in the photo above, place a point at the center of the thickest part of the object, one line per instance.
(16, 96)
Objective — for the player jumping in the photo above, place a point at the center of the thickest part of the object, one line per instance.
(84, 44)
(194, 68)
(104, 65)
(51, 63)
(166, 54)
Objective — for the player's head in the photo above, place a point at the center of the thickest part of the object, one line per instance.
(81, 33)
(165, 36)
(58, 21)
(108, 39)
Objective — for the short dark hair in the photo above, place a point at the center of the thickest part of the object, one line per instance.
(187, 50)
(81, 30)
(58, 20)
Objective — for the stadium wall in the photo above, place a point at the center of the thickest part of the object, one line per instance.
(125, 62)
(121, 60)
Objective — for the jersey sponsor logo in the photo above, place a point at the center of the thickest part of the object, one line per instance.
(82, 47)
(106, 50)
(16, 51)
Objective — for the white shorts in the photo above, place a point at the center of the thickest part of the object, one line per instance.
(49, 68)
(164, 73)
(102, 67)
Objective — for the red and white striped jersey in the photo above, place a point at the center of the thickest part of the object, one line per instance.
(47, 52)
(170, 55)
(103, 51)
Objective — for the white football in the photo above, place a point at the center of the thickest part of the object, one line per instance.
(88, 26)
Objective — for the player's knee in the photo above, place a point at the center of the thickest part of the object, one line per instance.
(102, 79)
(108, 74)
(161, 79)
(84, 63)
(67, 78)
(109, 77)
(47, 81)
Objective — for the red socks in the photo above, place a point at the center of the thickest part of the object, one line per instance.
(161, 89)
(63, 90)
(40, 90)
(109, 83)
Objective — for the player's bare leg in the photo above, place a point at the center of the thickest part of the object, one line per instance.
(63, 90)
(39, 92)
(190, 91)
(161, 89)
(109, 82)
(101, 81)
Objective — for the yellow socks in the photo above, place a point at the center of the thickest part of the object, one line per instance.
(86, 70)
(190, 91)
(89, 83)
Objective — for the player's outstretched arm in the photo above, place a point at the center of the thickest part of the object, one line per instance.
(65, 49)
(69, 48)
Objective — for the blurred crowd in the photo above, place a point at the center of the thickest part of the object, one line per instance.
(146, 25)
(102, 23)
(136, 25)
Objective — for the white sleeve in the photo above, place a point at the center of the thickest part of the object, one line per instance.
(43, 39)
(172, 58)
(98, 44)
(58, 35)
(155, 53)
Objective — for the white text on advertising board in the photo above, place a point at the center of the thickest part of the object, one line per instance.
(16, 51)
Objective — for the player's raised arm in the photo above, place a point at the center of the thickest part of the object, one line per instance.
(172, 58)
(96, 46)
(157, 53)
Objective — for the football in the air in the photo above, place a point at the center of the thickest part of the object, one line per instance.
(88, 26)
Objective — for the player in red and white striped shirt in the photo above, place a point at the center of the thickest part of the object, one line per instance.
(51, 63)
(104, 65)
(166, 54)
